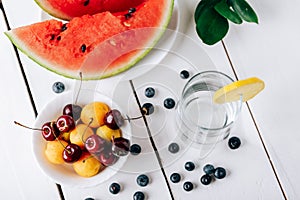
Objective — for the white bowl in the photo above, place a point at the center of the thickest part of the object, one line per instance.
(64, 174)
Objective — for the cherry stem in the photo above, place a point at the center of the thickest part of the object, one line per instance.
(80, 74)
(91, 120)
(36, 129)
(139, 117)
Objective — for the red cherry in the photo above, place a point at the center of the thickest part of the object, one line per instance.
(95, 144)
(120, 146)
(72, 153)
(50, 131)
(114, 119)
(73, 111)
(65, 123)
(106, 157)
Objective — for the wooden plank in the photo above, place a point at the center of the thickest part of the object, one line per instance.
(244, 179)
(21, 177)
(270, 51)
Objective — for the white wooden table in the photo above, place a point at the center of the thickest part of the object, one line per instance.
(264, 167)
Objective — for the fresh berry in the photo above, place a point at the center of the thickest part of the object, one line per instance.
(73, 111)
(184, 74)
(169, 103)
(209, 169)
(175, 177)
(95, 144)
(106, 157)
(120, 146)
(220, 172)
(205, 179)
(114, 188)
(135, 149)
(113, 119)
(72, 153)
(142, 180)
(148, 109)
(58, 87)
(65, 123)
(188, 186)
(138, 195)
(189, 166)
(50, 131)
(234, 142)
(173, 147)
(89, 198)
(149, 92)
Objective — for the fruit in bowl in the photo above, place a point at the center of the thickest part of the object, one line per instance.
(78, 156)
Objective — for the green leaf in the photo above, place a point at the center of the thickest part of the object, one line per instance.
(204, 4)
(224, 9)
(244, 10)
(211, 27)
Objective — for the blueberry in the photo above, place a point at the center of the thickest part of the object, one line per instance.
(209, 169)
(149, 92)
(173, 147)
(234, 142)
(205, 179)
(142, 180)
(135, 149)
(138, 195)
(184, 74)
(89, 198)
(188, 186)
(58, 87)
(148, 108)
(190, 166)
(169, 103)
(175, 177)
(114, 188)
(220, 172)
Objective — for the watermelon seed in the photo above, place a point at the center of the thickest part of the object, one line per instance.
(127, 15)
(52, 37)
(126, 24)
(83, 48)
(58, 37)
(131, 10)
(86, 2)
(112, 42)
(64, 27)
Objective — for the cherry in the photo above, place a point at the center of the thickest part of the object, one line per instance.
(95, 144)
(49, 130)
(113, 119)
(65, 123)
(106, 157)
(72, 153)
(120, 146)
(72, 110)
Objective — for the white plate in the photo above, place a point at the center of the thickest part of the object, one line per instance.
(64, 174)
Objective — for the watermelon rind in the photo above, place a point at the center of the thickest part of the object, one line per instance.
(46, 7)
(75, 75)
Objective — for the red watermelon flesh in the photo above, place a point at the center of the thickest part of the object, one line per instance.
(68, 9)
(117, 41)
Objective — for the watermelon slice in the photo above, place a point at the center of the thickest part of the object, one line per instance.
(99, 45)
(68, 9)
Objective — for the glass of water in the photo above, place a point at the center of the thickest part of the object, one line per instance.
(200, 120)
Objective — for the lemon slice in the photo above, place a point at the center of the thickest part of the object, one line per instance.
(245, 89)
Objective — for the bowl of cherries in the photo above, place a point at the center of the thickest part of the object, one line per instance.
(81, 143)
